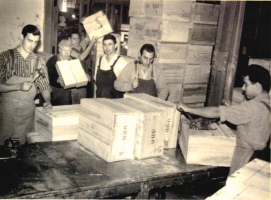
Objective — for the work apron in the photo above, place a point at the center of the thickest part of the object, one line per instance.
(105, 82)
(145, 86)
(17, 111)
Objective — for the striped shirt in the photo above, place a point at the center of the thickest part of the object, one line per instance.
(252, 119)
(23, 68)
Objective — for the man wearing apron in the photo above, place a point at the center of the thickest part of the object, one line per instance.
(17, 68)
(252, 117)
(108, 68)
(143, 76)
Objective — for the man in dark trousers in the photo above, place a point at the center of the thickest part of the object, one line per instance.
(143, 76)
(108, 69)
(252, 117)
(59, 95)
(18, 66)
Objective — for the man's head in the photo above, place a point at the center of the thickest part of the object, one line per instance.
(256, 81)
(147, 54)
(109, 44)
(29, 38)
(65, 49)
(75, 38)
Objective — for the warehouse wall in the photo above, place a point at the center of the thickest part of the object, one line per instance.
(14, 15)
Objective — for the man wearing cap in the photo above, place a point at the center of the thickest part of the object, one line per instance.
(59, 95)
(18, 67)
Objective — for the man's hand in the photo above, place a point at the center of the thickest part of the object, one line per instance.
(182, 107)
(135, 83)
(47, 107)
(88, 76)
(61, 81)
(25, 86)
(93, 41)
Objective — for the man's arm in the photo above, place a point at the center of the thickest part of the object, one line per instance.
(25, 86)
(46, 94)
(88, 49)
(124, 80)
(208, 112)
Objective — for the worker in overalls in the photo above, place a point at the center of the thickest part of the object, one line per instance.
(143, 76)
(17, 68)
(252, 116)
(108, 69)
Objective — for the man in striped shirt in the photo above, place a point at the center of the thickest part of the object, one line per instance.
(252, 117)
(17, 68)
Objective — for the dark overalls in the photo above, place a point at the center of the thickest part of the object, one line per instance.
(105, 82)
(145, 86)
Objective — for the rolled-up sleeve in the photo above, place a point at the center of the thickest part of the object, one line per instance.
(124, 80)
(236, 114)
(43, 82)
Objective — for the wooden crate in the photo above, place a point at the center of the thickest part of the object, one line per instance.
(168, 52)
(137, 27)
(72, 73)
(197, 54)
(197, 74)
(59, 124)
(137, 8)
(194, 94)
(107, 129)
(213, 147)
(150, 128)
(166, 31)
(169, 9)
(134, 46)
(97, 25)
(172, 116)
(205, 13)
(203, 34)
(173, 72)
(250, 182)
(175, 93)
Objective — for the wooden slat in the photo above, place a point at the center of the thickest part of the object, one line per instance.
(65, 71)
(197, 74)
(175, 93)
(172, 116)
(166, 31)
(134, 46)
(137, 8)
(197, 54)
(194, 93)
(169, 9)
(137, 27)
(205, 13)
(150, 128)
(78, 73)
(203, 34)
(173, 73)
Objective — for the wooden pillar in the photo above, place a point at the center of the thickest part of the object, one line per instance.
(226, 51)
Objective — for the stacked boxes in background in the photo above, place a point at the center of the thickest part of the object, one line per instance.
(183, 34)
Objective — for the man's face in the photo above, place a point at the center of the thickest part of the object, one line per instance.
(147, 58)
(29, 42)
(249, 88)
(65, 52)
(75, 39)
(109, 47)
